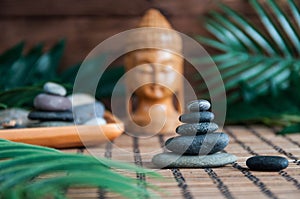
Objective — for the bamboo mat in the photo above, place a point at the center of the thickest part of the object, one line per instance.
(231, 181)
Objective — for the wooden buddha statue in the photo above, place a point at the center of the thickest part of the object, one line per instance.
(154, 84)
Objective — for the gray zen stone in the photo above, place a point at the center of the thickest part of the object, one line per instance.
(47, 102)
(81, 98)
(95, 122)
(54, 89)
(14, 118)
(267, 163)
(86, 112)
(198, 105)
(197, 117)
(198, 145)
(173, 160)
(51, 116)
(197, 128)
(50, 124)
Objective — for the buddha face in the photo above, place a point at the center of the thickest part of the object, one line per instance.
(155, 72)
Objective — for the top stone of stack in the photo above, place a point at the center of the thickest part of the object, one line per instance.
(54, 89)
(53, 99)
(198, 105)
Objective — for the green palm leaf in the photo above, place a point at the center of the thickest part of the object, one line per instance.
(29, 171)
(254, 55)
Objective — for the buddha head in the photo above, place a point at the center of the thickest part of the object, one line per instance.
(158, 66)
(155, 75)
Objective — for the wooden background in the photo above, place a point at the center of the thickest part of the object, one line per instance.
(85, 23)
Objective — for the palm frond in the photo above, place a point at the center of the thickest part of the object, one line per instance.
(29, 171)
(271, 108)
(23, 75)
(251, 54)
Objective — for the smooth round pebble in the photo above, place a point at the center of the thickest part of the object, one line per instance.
(95, 122)
(198, 105)
(78, 99)
(54, 89)
(14, 117)
(267, 163)
(173, 160)
(50, 124)
(197, 117)
(51, 116)
(197, 128)
(198, 145)
(85, 112)
(47, 102)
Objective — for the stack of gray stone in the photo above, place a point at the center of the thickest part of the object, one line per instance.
(52, 108)
(198, 145)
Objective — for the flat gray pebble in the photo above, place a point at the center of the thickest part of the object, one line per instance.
(47, 102)
(85, 112)
(198, 105)
(197, 117)
(172, 160)
(197, 128)
(54, 89)
(14, 117)
(51, 116)
(198, 145)
(267, 163)
(81, 98)
(95, 122)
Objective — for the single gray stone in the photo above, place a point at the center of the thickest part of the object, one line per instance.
(197, 117)
(173, 160)
(267, 163)
(14, 118)
(50, 124)
(86, 112)
(198, 105)
(51, 116)
(198, 145)
(54, 89)
(81, 98)
(197, 128)
(95, 122)
(47, 102)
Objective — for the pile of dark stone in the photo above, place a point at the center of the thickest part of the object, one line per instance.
(198, 145)
(52, 108)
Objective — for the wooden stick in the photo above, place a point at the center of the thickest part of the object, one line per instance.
(67, 136)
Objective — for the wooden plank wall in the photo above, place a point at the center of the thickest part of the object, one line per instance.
(85, 23)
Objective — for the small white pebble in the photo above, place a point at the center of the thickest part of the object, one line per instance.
(95, 122)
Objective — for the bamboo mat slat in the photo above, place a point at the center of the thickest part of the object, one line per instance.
(231, 181)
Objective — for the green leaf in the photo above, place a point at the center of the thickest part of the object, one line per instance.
(11, 55)
(249, 55)
(239, 33)
(286, 24)
(251, 31)
(20, 97)
(3, 106)
(212, 43)
(20, 68)
(276, 107)
(69, 75)
(45, 68)
(272, 29)
(108, 81)
(290, 129)
(22, 164)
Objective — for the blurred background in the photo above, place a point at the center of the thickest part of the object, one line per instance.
(86, 23)
(254, 43)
